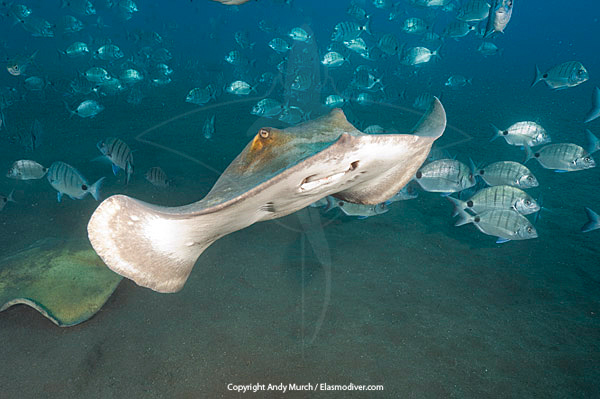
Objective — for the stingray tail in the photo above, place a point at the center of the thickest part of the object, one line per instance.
(151, 245)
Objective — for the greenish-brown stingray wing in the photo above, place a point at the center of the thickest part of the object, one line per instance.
(64, 280)
(272, 151)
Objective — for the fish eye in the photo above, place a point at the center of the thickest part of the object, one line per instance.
(529, 229)
(527, 202)
(264, 133)
(84, 187)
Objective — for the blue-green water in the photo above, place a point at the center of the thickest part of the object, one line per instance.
(404, 300)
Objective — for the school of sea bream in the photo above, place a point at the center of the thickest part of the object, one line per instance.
(289, 88)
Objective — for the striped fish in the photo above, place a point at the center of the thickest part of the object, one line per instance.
(563, 157)
(562, 76)
(474, 11)
(157, 177)
(524, 133)
(67, 180)
(444, 176)
(349, 30)
(26, 169)
(505, 224)
(389, 44)
(509, 173)
(415, 26)
(119, 154)
(497, 197)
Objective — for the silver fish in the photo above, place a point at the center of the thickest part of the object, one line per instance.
(240, 88)
(562, 76)
(199, 96)
(488, 49)
(267, 107)
(499, 17)
(130, 76)
(38, 27)
(157, 177)
(242, 39)
(97, 75)
(524, 133)
(119, 154)
(509, 173)
(474, 11)
(299, 35)
(566, 157)
(359, 210)
(109, 52)
(389, 44)
(458, 81)
(505, 224)
(349, 30)
(445, 176)
(415, 26)
(333, 59)
(335, 101)
(417, 56)
(208, 129)
(357, 12)
(497, 197)
(422, 101)
(408, 192)
(87, 109)
(457, 29)
(279, 45)
(26, 169)
(76, 49)
(67, 180)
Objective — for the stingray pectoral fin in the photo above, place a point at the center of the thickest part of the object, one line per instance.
(433, 122)
(154, 246)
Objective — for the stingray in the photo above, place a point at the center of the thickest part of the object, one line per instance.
(63, 280)
(279, 172)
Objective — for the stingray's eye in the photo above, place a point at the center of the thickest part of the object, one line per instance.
(264, 133)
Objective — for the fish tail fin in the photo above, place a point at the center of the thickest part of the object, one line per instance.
(593, 142)
(458, 205)
(10, 197)
(595, 111)
(367, 26)
(538, 76)
(463, 217)
(154, 246)
(497, 132)
(71, 113)
(330, 203)
(593, 222)
(528, 154)
(95, 188)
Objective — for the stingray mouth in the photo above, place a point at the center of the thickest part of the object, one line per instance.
(314, 181)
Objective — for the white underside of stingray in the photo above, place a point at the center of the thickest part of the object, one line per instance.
(278, 173)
